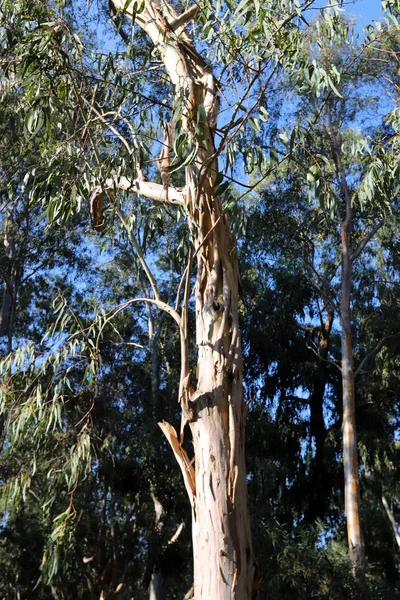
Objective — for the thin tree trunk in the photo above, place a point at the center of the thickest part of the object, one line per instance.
(350, 461)
(157, 586)
(390, 516)
(110, 587)
(224, 565)
(154, 331)
(9, 272)
(6, 309)
(157, 583)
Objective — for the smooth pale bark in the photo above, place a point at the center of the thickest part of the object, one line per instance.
(221, 533)
(350, 461)
(352, 501)
(224, 565)
(149, 189)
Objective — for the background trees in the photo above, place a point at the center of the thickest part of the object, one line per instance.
(85, 470)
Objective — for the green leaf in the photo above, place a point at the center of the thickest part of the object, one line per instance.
(333, 88)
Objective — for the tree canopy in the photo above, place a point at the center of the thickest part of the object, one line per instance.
(199, 225)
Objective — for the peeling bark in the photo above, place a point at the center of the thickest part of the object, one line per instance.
(224, 564)
(221, 532)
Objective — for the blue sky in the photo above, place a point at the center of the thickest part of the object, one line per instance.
(365, 11)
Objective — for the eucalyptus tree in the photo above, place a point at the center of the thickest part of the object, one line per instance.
(294, 367)
(105, 145)
(138, 131)
(293, 385)
(351, 168)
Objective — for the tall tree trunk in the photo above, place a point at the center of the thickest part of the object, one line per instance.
(350, 462)
(221, 532)
(224, 565)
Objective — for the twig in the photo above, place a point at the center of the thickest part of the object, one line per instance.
(367, 239)
(374, 351)
(139, 253)
(326, 360)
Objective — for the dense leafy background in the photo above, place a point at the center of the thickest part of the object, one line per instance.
(91, 495)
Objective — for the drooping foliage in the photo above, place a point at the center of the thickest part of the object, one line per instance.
(92, 502)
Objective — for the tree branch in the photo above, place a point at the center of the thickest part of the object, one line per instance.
(162, 305)
(104, 120)
(367, 239)
(118, 21)
(325, 360)
(307, 328)
(374, 351)
(139, 253)
(182, 20)
(148, 189)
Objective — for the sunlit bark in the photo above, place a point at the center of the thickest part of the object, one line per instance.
(350, 460)
(224, 565)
